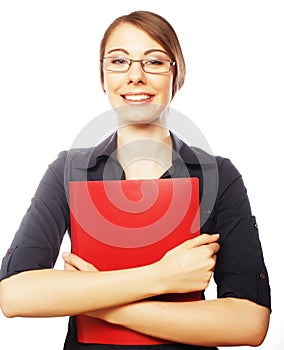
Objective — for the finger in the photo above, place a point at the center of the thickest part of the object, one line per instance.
(215, 247)
(77, 262)
(201, 240)
(68, 267)
(214, 259)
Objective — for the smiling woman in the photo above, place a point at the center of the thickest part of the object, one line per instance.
(132, 76)
(142, 68)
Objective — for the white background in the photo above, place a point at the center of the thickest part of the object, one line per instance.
(50, 89)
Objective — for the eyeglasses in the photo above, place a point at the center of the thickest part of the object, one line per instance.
(149, 65)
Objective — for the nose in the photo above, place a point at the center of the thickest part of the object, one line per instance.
(136, 73)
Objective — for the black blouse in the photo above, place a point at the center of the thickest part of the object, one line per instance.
(240, 270)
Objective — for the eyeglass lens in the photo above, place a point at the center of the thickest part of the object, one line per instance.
(118, 64)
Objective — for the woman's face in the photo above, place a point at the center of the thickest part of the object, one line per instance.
(137, 96)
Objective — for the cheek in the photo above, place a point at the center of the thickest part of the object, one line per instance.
(111, 82)
(165, 88)
(112, 86)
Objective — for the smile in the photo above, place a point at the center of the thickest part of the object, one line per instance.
(137, 98)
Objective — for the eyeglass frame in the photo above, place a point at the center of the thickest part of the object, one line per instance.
(172, 63)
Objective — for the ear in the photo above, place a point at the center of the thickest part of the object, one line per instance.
(103, 86)
(102, 79)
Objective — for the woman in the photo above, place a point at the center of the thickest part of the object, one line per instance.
(142, 68)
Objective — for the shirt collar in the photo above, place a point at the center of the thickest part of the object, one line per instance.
(189, 154)
(88, 158)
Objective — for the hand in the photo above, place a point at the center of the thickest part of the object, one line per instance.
(189, 266)
(73, 262)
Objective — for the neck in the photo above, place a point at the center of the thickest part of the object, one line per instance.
(144, 151)
(135, 132)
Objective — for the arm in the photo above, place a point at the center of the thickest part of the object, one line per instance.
(41, 293)
(31, 288)
(226, 321)
(47, 293)
(241, 314)
(220, 322)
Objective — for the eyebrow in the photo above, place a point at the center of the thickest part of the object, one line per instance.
(145, 53)
(113, 50)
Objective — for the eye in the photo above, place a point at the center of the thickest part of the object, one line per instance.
(154, 62)
(119, 61)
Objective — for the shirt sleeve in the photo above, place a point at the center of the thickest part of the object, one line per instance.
(37, 242)
(240, 269)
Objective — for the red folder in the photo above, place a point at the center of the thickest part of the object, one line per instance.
(120, 224)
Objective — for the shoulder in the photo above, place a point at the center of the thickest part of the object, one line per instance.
(215, 169)
(78, 157)
(69, 164)
(228, 172)
(84, 158)
(202, 157)
(224, 165)
(198, 156)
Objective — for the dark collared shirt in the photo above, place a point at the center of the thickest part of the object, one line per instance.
(240, 270)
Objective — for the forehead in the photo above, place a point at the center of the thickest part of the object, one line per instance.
(131, 38)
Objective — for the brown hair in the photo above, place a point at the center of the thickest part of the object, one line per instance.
(161, 31)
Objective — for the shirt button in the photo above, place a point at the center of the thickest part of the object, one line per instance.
(10, 251)
(262, 276)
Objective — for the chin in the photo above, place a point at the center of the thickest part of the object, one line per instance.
(141, 113)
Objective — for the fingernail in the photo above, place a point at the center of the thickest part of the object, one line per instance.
(65, 254)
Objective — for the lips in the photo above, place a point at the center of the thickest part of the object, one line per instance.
(137, 97)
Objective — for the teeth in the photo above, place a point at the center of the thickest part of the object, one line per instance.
(137, 97)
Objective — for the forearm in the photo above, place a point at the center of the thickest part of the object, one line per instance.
(221, 322)
(44, 293)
